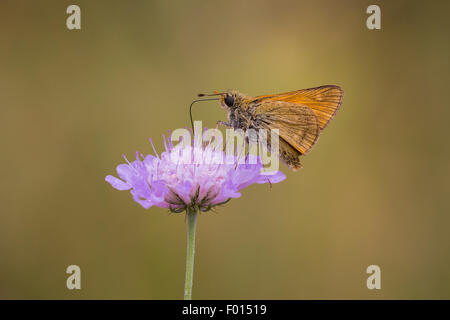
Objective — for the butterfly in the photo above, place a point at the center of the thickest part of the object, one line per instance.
(300, 116)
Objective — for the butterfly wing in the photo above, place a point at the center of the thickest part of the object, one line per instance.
(298, 125)
(324, 101)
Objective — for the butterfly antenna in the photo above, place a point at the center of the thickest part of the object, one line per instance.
(216, 93)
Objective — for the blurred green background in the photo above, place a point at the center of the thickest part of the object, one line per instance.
(374, 190)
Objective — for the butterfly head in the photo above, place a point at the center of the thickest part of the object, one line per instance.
(229, 99)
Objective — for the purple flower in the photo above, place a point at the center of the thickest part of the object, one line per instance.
(189, 176)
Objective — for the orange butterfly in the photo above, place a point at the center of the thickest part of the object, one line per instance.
(300, 116)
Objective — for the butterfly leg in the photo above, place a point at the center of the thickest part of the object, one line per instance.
(223, 123)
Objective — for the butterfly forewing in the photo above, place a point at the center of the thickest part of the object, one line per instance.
(324, 101)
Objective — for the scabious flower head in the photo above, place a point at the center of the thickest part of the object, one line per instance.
(189, 175)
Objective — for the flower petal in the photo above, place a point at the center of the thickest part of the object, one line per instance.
(272, 178)
(125, 172)
(117, 183)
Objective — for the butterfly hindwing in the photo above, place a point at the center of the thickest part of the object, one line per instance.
(297, 124)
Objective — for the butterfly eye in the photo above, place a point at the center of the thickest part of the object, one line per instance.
(229, 100)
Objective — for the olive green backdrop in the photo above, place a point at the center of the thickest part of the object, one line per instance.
(374, 190)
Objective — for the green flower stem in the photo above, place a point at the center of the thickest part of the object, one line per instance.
(191, 215)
